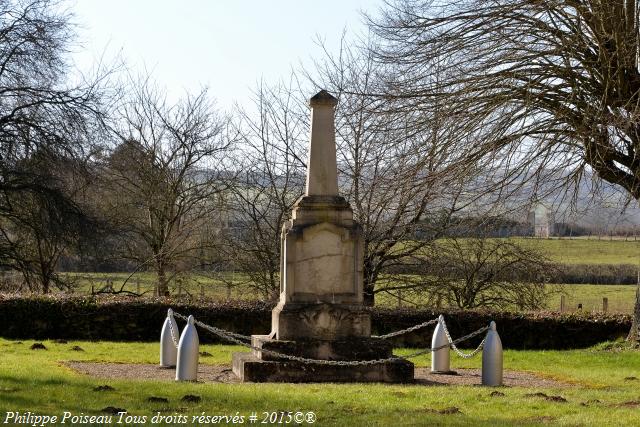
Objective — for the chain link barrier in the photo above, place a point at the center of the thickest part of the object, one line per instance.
(452, 343)
(406, 331)
(233, 334)
(237, 339)
(174, 338)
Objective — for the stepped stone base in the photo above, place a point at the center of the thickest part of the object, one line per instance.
(249, 368)
(259, 366)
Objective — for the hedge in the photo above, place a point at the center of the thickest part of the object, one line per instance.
(598, 274)
(133, 319)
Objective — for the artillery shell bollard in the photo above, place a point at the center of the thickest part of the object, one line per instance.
(440, 358)
(188, 353)
(168, 341)
(492, 358)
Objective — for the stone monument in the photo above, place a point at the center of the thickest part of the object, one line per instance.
(320, 314)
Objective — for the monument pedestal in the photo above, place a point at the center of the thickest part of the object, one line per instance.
(260, 366)
(320, 314)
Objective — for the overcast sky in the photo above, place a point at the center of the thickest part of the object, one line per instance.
(223, 44)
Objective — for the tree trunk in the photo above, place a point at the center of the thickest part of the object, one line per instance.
(368, 295)
(369, 276)
(163, 286)
(46, 286)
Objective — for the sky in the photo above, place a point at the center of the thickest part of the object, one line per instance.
(228, 46)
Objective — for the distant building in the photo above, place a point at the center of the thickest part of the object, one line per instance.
(540, 218)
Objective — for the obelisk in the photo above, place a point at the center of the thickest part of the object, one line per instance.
(320, 314)
(322, 169)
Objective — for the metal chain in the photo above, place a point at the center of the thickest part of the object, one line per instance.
(229, 336)
(173, 334)
(233, 334)
(389, 335)
(405, 331)
(454, 342)
(455, 348)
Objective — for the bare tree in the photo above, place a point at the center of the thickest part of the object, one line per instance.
(535, 86)
(274, 136)
(40, 226)
(165, 177)
(45, 122)
(396, 172)
(479, 272)
(397, 176)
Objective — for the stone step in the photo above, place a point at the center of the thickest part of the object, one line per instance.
(249, 368)
(354, 348)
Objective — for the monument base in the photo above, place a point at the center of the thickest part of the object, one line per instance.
(259, 366)
(311, 321)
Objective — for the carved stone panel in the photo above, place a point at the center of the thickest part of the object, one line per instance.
(325, 261)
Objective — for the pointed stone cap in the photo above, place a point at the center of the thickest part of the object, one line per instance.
(323, 98)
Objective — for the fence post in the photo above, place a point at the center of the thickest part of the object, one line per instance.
(188, 353)
(563, 303)
(492, 358)
(440, 358)
(168, 341)
(399, 298)
(138, 286)
(228, 292)
(605, 304)
(201, 291)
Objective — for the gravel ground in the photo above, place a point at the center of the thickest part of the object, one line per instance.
(473, 377)
(223, 374)
(135, 371)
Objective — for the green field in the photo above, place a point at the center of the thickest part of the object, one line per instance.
(599, 395)
(227, 285)
(620, 298)
(579, 250)
(586, 251)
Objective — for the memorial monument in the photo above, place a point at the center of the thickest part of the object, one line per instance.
(320, 314)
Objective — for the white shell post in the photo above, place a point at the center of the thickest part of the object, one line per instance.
(492, 358)
(440, 358)
(169, 341)
(188, 353)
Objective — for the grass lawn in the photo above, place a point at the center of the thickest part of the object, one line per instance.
(34, 380)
